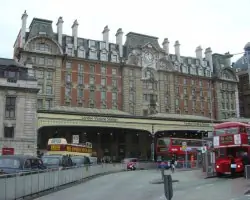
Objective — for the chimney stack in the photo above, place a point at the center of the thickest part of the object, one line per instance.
(23, 29)
(165, 45)
(209, 58)
(75, 33)
(105, 34)
(198, 52)
(119, 37)
(59, 30)
(177, 50)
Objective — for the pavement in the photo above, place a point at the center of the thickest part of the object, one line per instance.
(137, 185)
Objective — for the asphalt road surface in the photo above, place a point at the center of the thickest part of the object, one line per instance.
(137, 185)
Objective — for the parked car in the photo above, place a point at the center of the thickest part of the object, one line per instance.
(81, 160)
(10, 164)
(57, 161)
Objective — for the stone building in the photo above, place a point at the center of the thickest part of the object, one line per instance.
(139, 76)
(243, 71)
(18, 100)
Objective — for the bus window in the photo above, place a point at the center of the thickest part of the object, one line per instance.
(232, 130)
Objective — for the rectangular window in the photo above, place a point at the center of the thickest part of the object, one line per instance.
(102, 45)
(68, 40)
(114, 58)
(50, 61)
(48, 104)
(39, 104)
(92, 68)
(39, 74)
(114, 96)
(177, 102)
(41, 61)
(68, 65)
(41, 88)
(131, 83)
(68, 78)
(103, 82)
(91, 43)
(9, 132)
(186, 103)
(80, 93)
(92, 55)
(68, 91)
(114, 82)
(185, 91)
(10, 107)
(49, 75)
(91, 80)
(131, 97)
(184, 81)
(103, 69)
(104, 57)
(80, 68)
(80, 79)
(92, 95)
(103, 95)
(114, 71)
(131, 72)
(69, 51)
(48, 89)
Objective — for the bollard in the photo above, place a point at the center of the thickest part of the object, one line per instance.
(168, 187)
(162, 173)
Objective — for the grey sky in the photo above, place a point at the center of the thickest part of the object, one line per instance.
(222, 25)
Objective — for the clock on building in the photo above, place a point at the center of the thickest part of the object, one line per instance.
(148, 57)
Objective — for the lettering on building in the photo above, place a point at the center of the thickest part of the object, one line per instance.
(196, 124)
(101, 119)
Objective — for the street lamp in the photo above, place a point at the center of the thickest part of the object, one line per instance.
(153, 144)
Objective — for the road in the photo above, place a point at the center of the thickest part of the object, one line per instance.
(137, 185)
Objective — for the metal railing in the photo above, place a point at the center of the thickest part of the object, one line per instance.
(20, 185)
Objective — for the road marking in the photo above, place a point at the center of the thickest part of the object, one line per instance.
(205, 185)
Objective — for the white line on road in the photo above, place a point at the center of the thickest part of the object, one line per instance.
(206, 185)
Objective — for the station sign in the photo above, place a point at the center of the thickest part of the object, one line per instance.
(75, 139)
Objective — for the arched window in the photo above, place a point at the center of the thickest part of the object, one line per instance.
(43, 47)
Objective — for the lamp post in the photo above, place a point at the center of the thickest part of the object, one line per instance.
(153, 144)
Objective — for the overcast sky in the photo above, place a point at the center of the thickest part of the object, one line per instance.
(223, 25)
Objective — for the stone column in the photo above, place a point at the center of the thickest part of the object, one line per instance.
(128, 142)
(143, 144)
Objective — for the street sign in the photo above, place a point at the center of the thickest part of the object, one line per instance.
(203, 149)
(184, 146)
(75, 139)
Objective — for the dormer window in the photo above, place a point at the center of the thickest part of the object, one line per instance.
(91, 43)
(104, 56)
(81, 53)
(201, 72)
(184, 69)
(114, 58)
(92, 54)
(193, 71)
(208, 73)
(69, 51)
(103, 45)
(68, 40)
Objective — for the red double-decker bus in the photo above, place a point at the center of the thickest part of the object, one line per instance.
(167, 147)
(230, 139)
